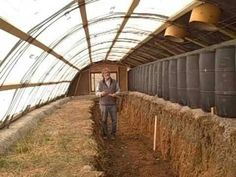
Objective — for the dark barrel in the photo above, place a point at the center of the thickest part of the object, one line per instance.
(207, 80)
(165, 79)
(159, 79)
(173, 80)
(134, 79)
(192, 80)
(150, 75)
(130, 76)
(146, 79)
(225, 82)
(139, 78)
(181, 81)
(154, 79)
(142, 78)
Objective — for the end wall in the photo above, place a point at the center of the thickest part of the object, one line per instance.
(81, 83)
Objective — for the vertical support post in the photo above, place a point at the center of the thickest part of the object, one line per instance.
(155, 134)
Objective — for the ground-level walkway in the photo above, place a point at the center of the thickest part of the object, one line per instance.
(64, 145)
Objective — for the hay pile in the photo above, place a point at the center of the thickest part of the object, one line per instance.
(62, 145)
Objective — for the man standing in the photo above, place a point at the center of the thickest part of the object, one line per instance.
(107, 90)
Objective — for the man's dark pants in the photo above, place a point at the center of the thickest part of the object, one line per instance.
(105, 110)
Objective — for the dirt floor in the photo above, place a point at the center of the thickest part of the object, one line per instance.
(131, 155)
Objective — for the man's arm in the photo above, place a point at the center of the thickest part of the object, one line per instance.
(99, 93)
(117, 88)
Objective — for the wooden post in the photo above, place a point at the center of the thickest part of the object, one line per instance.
(155, 134)
(212, 110)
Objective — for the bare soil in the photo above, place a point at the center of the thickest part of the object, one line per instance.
(131, 154)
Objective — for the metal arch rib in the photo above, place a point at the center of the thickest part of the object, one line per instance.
(85, 26)
(26, 37)
(126, 18)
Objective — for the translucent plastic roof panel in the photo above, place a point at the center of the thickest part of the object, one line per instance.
(44, 69)
(5, 101)
(166, 8)
(105, 7)
(9, 41)
(71, 19)
(109, 16)
(21, 65)
(25, 14)
(80, 57)
(65, 45)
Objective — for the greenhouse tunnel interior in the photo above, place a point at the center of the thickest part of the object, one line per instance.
(174, 60)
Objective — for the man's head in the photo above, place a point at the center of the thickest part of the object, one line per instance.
(106, 73)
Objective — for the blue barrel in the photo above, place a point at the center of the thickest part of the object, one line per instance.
(207, 80)
(181, 81)
(159, 79)
(173, 80)
(165, 79)
(225, 82)
(192, 80)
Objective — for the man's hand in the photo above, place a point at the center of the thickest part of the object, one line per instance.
(104, 93)
(112, 94)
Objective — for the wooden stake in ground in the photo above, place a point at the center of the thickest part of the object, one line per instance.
(155, 134)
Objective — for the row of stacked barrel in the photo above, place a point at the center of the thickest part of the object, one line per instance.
(204, 80)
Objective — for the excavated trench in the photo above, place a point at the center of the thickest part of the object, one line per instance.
(130, 154)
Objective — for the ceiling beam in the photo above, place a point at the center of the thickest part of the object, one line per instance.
(143, 52)
(165, 48)
(141, 58)
(157, 51)
(26, 37)
(129, 63)
(85, 26)
(154, 51)
(133, 59)
(17, 86)
(138, 58)
(126, 18)
(227, 32)
(201, 44)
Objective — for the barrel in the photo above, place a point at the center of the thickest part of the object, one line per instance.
(192, 80)
(150, 79)
(165, 79)
(159, 79)
(173, 80)
(134, 79)
(138, 79)
(146, 79)
(130, 76)
(181, 81)
(225, 82)
(207, 80)
(154, 79)
(141, 76)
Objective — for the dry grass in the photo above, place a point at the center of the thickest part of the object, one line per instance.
(62, 145)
